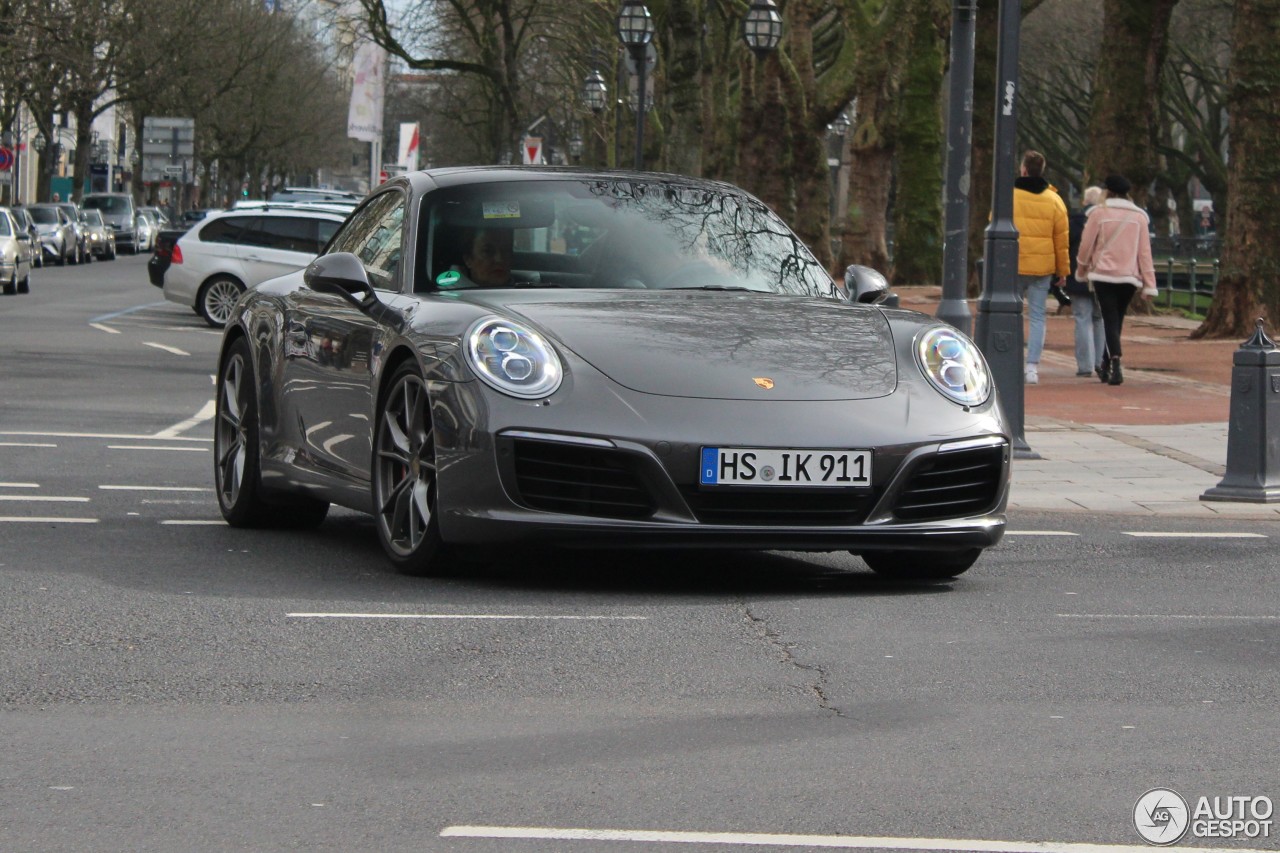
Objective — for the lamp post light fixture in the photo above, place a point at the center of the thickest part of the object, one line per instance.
(594, 92)
(762, 27)
(575, 146)
(635, 31)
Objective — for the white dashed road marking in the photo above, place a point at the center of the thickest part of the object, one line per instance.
(44, 499)
(156, 488)
(19, 485)
(1040, 533)
(1202, 535)
(839, 842)
(24, 444)
(45, 520)
(101, 435)
(481, 616)
(1165, 616)
(102, 328)
(156, 447)
(206, 413)
(166, 348)
(193, 522)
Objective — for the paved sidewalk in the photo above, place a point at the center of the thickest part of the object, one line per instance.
(1151, 446)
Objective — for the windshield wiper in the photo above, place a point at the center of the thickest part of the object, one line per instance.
(713, 287)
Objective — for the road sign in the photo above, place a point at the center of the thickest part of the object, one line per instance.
(6, 159)
(174, 170)
(532, 150)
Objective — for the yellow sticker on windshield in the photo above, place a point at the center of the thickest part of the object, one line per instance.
(501, 209)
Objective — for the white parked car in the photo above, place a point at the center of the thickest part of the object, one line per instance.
(231, 250)
(16, 252)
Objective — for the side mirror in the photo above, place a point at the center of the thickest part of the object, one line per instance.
(341, 273)
(865, 285)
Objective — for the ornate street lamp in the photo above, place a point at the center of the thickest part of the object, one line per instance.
(635, 31)
(841, 125)
(594, 92)
(762, 27)
(575, 146)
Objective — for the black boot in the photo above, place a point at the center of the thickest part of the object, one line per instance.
(1117, 375)
(1104, 370)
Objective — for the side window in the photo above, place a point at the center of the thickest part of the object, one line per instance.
(327, 228)
(376, 236)
(289, 233)
(225, 230)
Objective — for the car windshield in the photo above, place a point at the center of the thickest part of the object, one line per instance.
(108, 203)
(5, 231)
(93, 217)
(43, 215)
(621, 233)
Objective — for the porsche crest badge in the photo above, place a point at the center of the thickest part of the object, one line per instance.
(763, 381)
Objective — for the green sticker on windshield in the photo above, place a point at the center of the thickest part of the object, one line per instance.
(448, 278)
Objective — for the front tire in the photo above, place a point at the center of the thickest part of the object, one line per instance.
(924, 566)
(237, 472)
(11, 286)
(216, 298)
(405, 493)
(24, 286)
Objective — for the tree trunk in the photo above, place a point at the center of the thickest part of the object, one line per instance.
(1249, 286)
(764, 165)
(986, 37)
(863, 240)
(917, 253)
(1124, 128)
(806, 132)
(682, 153)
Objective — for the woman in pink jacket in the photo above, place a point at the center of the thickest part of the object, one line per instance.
(1115, 258)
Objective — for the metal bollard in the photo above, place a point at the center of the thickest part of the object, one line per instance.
(1253, 449)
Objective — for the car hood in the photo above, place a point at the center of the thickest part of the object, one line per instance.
(729, 346)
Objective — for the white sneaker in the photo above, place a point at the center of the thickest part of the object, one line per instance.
(1032, 375)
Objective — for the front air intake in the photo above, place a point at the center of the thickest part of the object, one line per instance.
(952, 485)
(578, 480)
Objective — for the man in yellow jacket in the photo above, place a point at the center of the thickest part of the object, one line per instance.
(1040, 216)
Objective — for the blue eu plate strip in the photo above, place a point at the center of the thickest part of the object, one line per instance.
(710, 465)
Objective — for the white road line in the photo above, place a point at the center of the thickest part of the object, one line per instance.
(194, 522)
(166, 348)
(480, 616)
(156, 447)
(1156, 535)
(102, 435)
(19, 485)
(1040, 533)
(46, 520)
(24, 444)
(206, 413)
(103, 328)
(841, 842)
(155, 488)
(1164, 616)
(51, 499)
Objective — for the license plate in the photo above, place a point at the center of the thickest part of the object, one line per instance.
(756, 466)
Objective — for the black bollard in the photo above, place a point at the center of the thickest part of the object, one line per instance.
(1253, 434)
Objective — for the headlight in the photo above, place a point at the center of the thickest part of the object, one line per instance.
(512, 358)
(954, 365)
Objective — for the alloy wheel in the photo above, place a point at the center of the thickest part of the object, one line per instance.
(230, 443)
(405, 478)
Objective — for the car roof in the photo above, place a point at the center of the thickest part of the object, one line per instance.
(453, 176)
(324, 206)
(278, 210)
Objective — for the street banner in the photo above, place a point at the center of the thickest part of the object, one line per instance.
(409, 146)
(364, 118)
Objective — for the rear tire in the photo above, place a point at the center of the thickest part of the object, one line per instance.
(216, 298)
(11, 286)
(925, 566)
(237, 471)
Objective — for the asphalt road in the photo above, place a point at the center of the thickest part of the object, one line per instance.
(168, 683)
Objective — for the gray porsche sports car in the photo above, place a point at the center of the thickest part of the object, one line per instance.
(489, 356)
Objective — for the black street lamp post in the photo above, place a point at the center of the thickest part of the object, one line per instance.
(635, 31)
(999, 325)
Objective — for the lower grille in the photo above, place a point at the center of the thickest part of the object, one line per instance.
(578, 480)
(798, 509)
(950, 485)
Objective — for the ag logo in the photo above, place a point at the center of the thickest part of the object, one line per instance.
(1161, 816)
